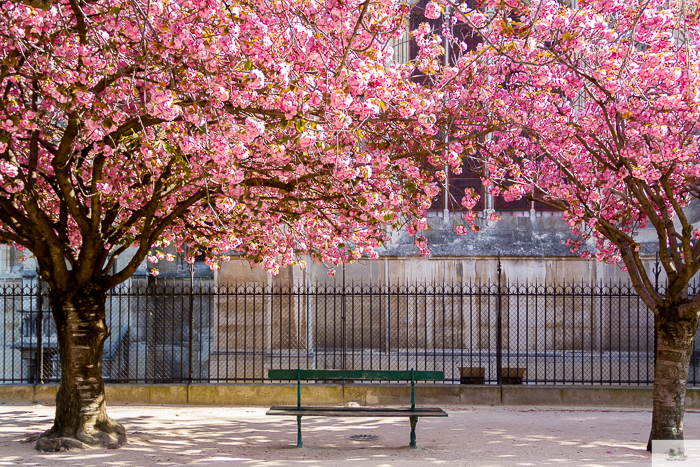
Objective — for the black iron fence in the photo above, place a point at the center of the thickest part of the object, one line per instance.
(167, 331)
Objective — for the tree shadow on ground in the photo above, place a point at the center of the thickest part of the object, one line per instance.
(187, 440)
(245, 436)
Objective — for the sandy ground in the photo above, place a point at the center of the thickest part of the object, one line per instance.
(479, 436)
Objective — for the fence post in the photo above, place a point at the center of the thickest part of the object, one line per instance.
(342, 320)
(656, 270)
(310, 301)
(150, 347)
(499, 329)
(190, 349)
(39, 335)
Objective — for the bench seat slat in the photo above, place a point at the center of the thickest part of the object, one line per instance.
(386, 375)
(311, 411)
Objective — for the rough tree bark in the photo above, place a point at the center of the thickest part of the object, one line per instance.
(81, 416)
(674, 346)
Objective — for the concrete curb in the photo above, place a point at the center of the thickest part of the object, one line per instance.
(364, 394)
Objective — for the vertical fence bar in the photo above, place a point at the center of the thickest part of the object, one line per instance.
(619, 299)
(388, 327)
(416, 318)
(385, 316)
(372, 291)
(172, 328)
(39, 334)
(499, 324)
(5, 314)
(17, 373)
(546, 356)
(343, 330)
(600, 320)
(120, 364)
(462, 345)
(210, 339)
(298, 319)
(554, 328)
(610, 332)
(471, 320)
(452, 328)
(629, 337)
(488, 324)
(442, 337)
(245, 332)
(254, 347)
(426, 307)
(537, 327)
(583, 338)
(190, 340)
(325, 325)
(151, 349)
(592, 302)
(235, 326)
(310, 343)
(315, 333)
(227, 353)
(4, 333)
(656, 270)
(363, 345)
(281, 343)
(512, 345)
(527, 331)
(265, 326)
(564, 331)
(139, 331)
(289, 300)
(335, 330)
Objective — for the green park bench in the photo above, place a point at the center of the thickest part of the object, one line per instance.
(374, 375)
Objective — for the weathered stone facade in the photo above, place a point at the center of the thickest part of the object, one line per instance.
(532, 249)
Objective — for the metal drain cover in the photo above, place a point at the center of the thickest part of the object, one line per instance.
(364, 437)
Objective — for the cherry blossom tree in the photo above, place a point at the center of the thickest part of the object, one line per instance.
(595, 110)
(273, 128)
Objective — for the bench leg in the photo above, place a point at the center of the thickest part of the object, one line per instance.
(414, 420)
(299, 443)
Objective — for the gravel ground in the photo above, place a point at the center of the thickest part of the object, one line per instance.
(471, 435)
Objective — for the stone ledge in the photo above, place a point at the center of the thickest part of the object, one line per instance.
(16, 393)
(364, 394)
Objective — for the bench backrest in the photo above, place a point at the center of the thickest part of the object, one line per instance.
(377, 375)
(380, 375)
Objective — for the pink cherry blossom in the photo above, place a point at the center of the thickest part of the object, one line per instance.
(8, 169)
(432, 10)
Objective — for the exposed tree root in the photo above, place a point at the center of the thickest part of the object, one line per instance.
(108, 434)
(59, 444)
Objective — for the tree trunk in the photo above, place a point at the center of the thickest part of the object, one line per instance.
(675, 336)
(81, 416)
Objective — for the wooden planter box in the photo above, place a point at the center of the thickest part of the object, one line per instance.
(513, 375)
(472, 374)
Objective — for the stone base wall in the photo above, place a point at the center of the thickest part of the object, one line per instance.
(364, 394)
